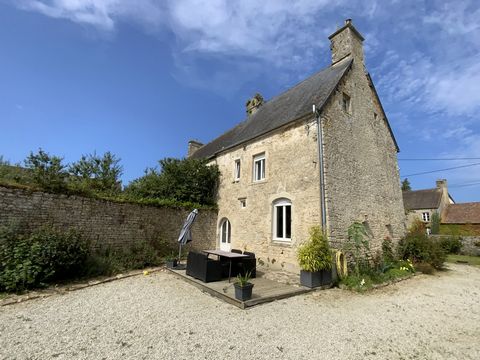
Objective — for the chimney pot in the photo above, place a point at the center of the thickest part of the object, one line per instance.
(254, 103)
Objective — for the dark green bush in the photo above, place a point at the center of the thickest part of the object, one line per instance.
(451, 245)
(187, 180)
(29, 260)
(109, 261)
(418, 247)
(387, 251)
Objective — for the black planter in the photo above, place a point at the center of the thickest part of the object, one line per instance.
(310, 279)
(171, 263)
(243, 293)
(326, 277)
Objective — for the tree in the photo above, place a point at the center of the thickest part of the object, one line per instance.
(97, 173)
(406, 185)
(187, 180)
(47, 171)
(435, 223)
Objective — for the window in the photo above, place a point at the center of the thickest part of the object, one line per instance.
(237, 170)
(259, 167)
(346, 103)
(243, 202)
(282, 220)
(225, 232)
(426, 216)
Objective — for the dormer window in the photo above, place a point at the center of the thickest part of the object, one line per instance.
(346, 103)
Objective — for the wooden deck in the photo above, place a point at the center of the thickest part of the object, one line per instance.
(264, 290)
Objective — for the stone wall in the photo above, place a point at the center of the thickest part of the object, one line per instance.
(470, 244)
(105, 223)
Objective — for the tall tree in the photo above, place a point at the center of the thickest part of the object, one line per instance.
(97, 173)
(406, 185)
(47, 171)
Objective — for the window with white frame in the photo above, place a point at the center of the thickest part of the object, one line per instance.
(259, 167)
(225, 229)
(426, 216)
(236, 170)
(282, 220)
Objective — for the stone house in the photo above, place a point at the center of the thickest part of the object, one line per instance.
(321, 153)
(422, 204)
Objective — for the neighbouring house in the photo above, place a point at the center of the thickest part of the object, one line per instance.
(422, 204)
(462, 213)
(282, 173)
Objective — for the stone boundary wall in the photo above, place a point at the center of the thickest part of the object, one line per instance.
(105, 223)
(471, 244)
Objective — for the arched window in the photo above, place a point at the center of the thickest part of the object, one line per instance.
(282, 220)
(225, 231)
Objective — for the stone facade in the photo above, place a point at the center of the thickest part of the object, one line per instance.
(105, 223)
(361, 173)
(291, 163)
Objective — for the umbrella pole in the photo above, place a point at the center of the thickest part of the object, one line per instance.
(179, 253)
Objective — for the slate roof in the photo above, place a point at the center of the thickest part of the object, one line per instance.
(466, 213)
(422, 199)
(281, 110)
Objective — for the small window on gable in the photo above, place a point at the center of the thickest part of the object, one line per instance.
(259, 167)
(237, 168)
(375, 116)
(426, 216)
(243, 202)
(346, 103)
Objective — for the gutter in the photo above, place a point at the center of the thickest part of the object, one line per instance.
(323, 209)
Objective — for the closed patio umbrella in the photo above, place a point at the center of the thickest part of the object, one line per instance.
(186, 233)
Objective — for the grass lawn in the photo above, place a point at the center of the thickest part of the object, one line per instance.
(472, 260)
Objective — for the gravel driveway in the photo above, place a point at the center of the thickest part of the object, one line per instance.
(161, 317)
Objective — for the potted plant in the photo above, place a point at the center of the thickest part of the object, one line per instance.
(171, 261)
(243, 288)
(315, 260)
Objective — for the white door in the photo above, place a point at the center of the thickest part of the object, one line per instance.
(225, 230)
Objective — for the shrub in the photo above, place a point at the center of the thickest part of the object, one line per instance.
(387, 251)
(451, 245)
(109, 261)
(418, 247)
(425, 268)
(315, 254)
(358, 246)
(29, 260)
(187, 180)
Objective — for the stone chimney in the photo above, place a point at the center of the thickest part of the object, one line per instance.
(254, 103)
(442, 185)
(193, 146)
(346, 41)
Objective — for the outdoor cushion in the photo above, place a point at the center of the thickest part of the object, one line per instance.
(201, 267)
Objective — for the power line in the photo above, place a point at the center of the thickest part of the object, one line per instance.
(439, 170)
(440, 159)
(465, 184)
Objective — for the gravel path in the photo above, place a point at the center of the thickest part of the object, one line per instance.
(161, 317)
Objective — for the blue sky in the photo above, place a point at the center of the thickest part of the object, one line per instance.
(140, 78)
